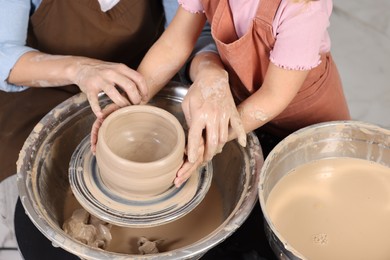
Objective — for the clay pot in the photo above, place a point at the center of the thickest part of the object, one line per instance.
(139, 151)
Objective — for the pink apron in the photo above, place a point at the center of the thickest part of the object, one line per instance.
(320, 98)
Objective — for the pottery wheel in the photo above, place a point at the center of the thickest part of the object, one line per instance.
(100, 201)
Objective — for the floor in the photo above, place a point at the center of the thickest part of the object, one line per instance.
(360, 32)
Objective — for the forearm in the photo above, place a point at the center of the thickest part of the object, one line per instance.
(160, 64)
(278, 90)
(260, 108)
(166, 57)
(121, 84)
(37, 69)
(207, 63)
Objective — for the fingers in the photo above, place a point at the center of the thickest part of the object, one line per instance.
(216, 135)
(112, 92)
(184, 173)
(98, 76)
(185, 106)
(94, 103)
(223, 134)
(94, 134)
(98, 123)
(194, 140)
(212, 139)
(189, 168)
(237, 126)
(215, 129)
(136, 87)
(217, 132)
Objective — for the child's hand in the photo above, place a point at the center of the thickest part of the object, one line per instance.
(210, 112)
(189, 168)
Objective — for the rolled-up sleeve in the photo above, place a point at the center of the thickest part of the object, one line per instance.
(14, 16)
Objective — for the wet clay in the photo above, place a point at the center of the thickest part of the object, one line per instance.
(160, 202)
(197, 224)
(88, 229)
(139, 151)
(336, 208)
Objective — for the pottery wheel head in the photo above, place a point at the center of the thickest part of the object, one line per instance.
(91, 192)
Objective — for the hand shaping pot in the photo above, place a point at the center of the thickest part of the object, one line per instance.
(139, 151)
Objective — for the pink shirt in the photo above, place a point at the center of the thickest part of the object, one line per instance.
(300, 29)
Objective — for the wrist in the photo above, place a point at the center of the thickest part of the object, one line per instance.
(207, 64)
(74, 67)
(213, 71)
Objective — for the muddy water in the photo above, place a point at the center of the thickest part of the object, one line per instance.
(197, 224)
(334, 209)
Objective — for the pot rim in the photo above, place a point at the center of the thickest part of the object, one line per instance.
(147, 109)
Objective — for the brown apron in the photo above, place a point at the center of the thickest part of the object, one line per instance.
(74, 27)
(320, 98)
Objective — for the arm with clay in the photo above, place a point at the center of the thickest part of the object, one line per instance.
(279, 88)
(37, 69)
(22, 66)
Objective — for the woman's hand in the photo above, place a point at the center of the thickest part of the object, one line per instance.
(210, 112)
(121, 84)
(98, 123)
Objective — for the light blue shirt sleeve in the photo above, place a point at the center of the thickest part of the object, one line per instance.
(14, 17)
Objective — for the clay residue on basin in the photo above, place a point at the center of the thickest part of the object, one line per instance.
(336, 208)
(197, 224)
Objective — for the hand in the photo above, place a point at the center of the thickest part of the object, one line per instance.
(98, 123)
(209, 107)
(189, 168)
(94, 76)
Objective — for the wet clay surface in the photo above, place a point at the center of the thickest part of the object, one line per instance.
(336, 208)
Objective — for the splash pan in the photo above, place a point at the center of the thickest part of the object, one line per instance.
(90, 190)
